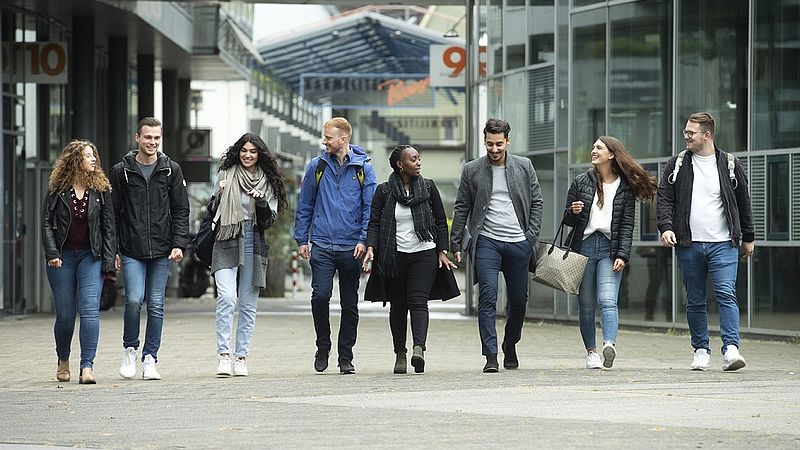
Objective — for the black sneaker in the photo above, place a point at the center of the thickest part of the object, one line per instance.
(346, 366)
(320, 360)
(491, 364)
(510, 361)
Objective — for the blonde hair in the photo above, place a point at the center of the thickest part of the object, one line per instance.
(341, 124)
(68, 170)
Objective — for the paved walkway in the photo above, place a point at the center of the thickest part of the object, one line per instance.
(649, 399)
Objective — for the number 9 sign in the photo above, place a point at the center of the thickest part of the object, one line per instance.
(447, 64)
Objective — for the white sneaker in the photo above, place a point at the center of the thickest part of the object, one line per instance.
(609, 353)
(224, 365)
(593, 361)
(128, 368)
(149, 371)
(240, 367)
(701, 360)
(732, 360)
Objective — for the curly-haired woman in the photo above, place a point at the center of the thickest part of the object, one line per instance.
(80, 243)
(251, 193)
(600, 208)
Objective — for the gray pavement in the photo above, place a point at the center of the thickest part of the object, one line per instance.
(649, 399)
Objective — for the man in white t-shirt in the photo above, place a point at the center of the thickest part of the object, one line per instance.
(704, 212)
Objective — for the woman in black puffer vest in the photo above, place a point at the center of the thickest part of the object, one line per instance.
(600, 210)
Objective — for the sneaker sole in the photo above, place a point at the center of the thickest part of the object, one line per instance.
(609, 353)
(698, 368)
(736, 365)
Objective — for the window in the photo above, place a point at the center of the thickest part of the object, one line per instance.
(778, 205)
(776, 83)
(640, 77)
(712, 67)
(588, 90)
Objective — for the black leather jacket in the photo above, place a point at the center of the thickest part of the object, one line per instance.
(583, 188)
(152, 217)
(56, 220)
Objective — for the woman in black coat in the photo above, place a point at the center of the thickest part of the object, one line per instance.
(407, 239)
(601, 210)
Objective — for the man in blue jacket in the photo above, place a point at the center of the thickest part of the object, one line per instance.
(332, 216)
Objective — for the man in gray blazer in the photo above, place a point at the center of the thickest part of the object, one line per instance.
(499, 201)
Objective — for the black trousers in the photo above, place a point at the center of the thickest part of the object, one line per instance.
(408, 295)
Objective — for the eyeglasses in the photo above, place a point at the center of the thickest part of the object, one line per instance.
(688, 133)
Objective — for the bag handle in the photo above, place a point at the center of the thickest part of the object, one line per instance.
(560, 237)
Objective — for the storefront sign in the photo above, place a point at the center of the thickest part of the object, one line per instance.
(35, 62)
(367, 91)
(447, 64)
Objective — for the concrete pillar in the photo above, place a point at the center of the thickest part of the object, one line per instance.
(119, 136)
(82, 79)
(184, 102)
(169, 96)
(145, 80)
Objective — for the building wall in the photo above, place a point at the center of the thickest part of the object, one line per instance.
(579, 69)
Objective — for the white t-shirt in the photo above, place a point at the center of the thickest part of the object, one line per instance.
(407, 240)
(707, 215)
(600, 218)
(501, 221)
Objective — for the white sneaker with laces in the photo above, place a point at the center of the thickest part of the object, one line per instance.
(149, 371)
(593, 361)
(240, 367)
(128, 368)
(224, 365)
(609, 353)
(702, 359)
(732, 360)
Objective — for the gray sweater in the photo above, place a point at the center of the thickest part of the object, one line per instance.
(475, 190)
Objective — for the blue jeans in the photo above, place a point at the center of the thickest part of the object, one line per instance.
(721, 260)
(599, 290)
(324, 263)
(227, 292)
(145, 281)
(511, 258)
(76, 287)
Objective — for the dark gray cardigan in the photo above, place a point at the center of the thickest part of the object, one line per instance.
(227, 254)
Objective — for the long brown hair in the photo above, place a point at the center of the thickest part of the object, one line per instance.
(643, 184)
(68, 170)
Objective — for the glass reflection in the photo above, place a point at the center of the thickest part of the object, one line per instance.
(640, 77)
(588, 82)
(712, 67)
(775, 301)
(646, 289)
(776, 65)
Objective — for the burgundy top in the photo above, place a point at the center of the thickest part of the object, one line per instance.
(78, 235)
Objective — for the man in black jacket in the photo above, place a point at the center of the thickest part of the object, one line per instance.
(152, 209)
(704, 210)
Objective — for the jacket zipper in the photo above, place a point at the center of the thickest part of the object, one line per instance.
(69, 225)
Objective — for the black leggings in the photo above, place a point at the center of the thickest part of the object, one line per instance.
(408, 293)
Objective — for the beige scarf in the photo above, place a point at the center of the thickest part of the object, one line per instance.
(230, 213)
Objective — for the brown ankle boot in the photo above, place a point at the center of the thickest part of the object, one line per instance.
(87, 376)
(62, 373)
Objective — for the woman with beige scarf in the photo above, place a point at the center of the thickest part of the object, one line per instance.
(251, 193)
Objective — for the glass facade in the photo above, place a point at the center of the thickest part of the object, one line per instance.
(636, 70)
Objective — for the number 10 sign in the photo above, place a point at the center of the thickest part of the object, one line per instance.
(448, 64)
